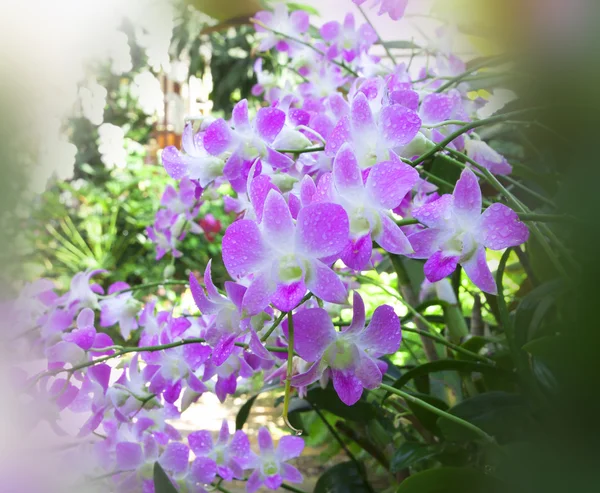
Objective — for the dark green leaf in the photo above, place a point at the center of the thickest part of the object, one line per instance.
(341, 478)
(162, 483)
(410, 453)
(500, 414)
(244, 412)
(449, 480)
(449, 365)
(427, 418)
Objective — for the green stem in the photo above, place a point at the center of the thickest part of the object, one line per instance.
(280, 318)
(466, 73)
(410, 297)
(450, 345)
(478, 123)
(149, 285)
(439, 412)
(343, 445)
(288, 373)
(387, 50)
(304, 43)
(302, 151)
(143, 349)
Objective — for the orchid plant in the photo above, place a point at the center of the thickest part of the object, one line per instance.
(332, 184)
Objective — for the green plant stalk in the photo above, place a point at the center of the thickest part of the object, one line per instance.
(466, 74)
(288, 373)
(280, 318)
(405, 288)
(439, 412)
(302, 151)
(350, 455)
(455, 321)
(304, 43)
(120, 351)
(387, 50)
(149, 285)
(478, 123)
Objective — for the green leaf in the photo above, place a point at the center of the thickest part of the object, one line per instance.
(302, 6)
(401, 44)
(244, 412)
(162, 483)
(410, 453)
(328, 399)
(449, 480)
(341, 478)
(449, 365)
(500, 414)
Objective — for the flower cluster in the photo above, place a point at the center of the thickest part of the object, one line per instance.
(326, 185)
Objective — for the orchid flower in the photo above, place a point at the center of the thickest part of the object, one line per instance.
(293, 25)
(373, 139)
(351, 355)
(369, 203)
(284, 255)
(458, 233)
(226, 457)
(270, 466)
(194, 162)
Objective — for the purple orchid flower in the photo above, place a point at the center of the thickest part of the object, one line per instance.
(120, 309)
(175, 365)
(246, 141)
(394, 8)
(346, 39)
(227, 373)
(82, 294)
(373, 139)
(293, 25)
(228, 324)
(284, 257)
(227, 457)
(368, 204)
(270, 466)
(194, 162)
(482, 153)
(350, 355)
(79, 345)
(458, 233)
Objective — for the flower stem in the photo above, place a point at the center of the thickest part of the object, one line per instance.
(304, 43)
(302, 151)
(139, 287)
(143, 349)
(439, 412)
(387, 50)
(288, 374)
(478, 123)
(342, 444)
